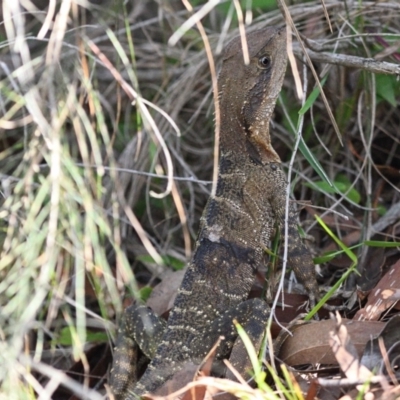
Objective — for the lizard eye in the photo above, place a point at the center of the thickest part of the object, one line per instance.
(264, 62)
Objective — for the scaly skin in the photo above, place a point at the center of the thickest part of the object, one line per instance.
(237, 224)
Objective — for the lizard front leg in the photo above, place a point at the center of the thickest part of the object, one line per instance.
(140, 328)
(298, 255)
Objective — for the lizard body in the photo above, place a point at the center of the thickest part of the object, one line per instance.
(237, 223)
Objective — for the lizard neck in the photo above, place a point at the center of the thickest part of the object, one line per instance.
(240, 141)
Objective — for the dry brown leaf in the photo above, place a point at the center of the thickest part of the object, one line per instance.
(385, 294)
(163, 295)
(310, 343)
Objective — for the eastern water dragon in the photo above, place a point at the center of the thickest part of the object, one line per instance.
(237, 225)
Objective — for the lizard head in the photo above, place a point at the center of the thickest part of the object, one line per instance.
(249, 92)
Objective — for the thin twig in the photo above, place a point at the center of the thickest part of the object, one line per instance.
(344, 60)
